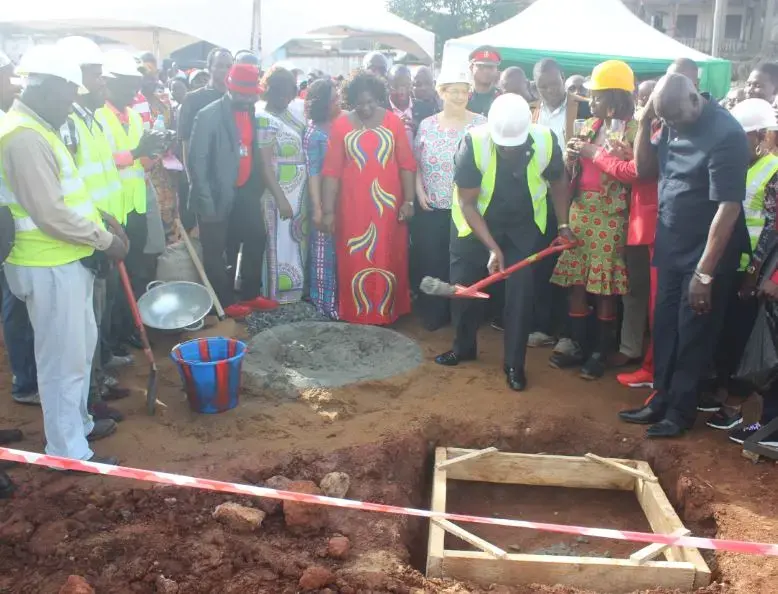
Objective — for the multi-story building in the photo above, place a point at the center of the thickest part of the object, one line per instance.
(748, 30)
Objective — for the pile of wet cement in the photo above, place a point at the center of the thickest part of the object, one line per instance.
(289, 359)
(285, 314)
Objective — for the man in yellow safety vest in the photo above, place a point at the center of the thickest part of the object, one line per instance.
(57, 226)
(132, 147)
(93, 154)
(503, 172)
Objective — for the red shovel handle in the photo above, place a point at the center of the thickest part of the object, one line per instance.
(557, 246)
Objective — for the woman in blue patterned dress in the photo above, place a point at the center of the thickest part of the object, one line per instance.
(322, 106)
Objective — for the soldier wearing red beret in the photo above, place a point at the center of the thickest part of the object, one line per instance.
(484, 65)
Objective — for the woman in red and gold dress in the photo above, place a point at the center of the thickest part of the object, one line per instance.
(369, 179)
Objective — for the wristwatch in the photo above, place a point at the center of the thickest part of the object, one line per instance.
(563, 226)
(705, 279)
(751, 269)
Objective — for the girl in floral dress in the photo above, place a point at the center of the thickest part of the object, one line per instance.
(598, 217)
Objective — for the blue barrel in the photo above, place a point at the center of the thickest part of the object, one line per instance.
(211, 371)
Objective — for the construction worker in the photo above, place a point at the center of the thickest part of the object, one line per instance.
(500, 214)
(484, 66)
(17, 331)
(92, 152)
(131, 145)
(57, 226)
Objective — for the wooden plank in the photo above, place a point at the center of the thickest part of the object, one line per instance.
(472, 539)
(471, 456)
(540, 470)
(605, 575)
(663, 519)
(654, 550)
(437, 536)
(622, 467)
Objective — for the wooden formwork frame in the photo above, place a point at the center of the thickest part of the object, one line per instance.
(683, 568)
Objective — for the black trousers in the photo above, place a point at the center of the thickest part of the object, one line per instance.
(121, 324)
(245, 225)
(550, 304)
(468, 265)
(738, 323)
(684, 343)
(430, 232)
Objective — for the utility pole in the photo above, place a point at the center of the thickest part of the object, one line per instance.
(256, 28)
(719, 17)
(767, 28)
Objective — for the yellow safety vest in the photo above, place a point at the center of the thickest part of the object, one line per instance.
(485, 155)
(32, 246)
(133, 177)
(94, 159)
(759, 175)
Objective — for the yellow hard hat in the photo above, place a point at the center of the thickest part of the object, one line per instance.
(613, 74)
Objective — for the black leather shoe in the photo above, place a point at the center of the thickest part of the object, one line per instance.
(594, 368)
(641, 416)
(566, 360)
(665, 428)
(517, 379)
(451, 359)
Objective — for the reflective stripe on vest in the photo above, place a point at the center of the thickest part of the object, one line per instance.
(485, 155)
(94, 159)
(759, 175)
(121, 140)
(32, 246)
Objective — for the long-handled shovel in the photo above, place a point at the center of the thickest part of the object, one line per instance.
(439, 288)
(151, 388)
(201, 271)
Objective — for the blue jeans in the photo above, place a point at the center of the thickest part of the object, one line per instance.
(19, 344)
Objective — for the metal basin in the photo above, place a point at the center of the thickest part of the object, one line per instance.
(175, 305)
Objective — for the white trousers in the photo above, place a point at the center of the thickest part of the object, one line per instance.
(59, 302)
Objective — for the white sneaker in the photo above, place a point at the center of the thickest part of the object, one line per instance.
(539, 339)
(566, 346)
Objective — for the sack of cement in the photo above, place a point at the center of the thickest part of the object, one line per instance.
(175, 264)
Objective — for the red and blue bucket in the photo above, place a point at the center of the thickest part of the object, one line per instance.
(211, 371)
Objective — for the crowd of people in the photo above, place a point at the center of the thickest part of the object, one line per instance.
(345, 193)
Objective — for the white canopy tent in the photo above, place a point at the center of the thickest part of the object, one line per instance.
(581, 33)
(285, 20)
(143, 24)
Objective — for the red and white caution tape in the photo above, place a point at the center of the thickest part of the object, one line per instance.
(735, 546)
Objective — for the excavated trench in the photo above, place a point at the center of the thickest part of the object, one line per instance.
(122, 537)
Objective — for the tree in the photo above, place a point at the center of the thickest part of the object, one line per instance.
(449, 19)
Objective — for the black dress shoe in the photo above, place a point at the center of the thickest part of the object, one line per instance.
(594, 368)
(665, 428)
(567, 360)
(517, 379)
(451, 359)
(641, 416)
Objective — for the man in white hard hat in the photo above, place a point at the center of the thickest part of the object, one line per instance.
(93, 154)
(57, 225)
(132, 147)
(503, 174)
(17, 330)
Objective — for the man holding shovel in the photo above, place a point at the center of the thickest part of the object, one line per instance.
(503, 174)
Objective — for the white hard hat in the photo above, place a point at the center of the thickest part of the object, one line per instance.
(47, 59)
(509, 120)
(82, 50)
(755, 114)
(452, 76)
(119, 63)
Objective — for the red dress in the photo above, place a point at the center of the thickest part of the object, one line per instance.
(371, 245)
